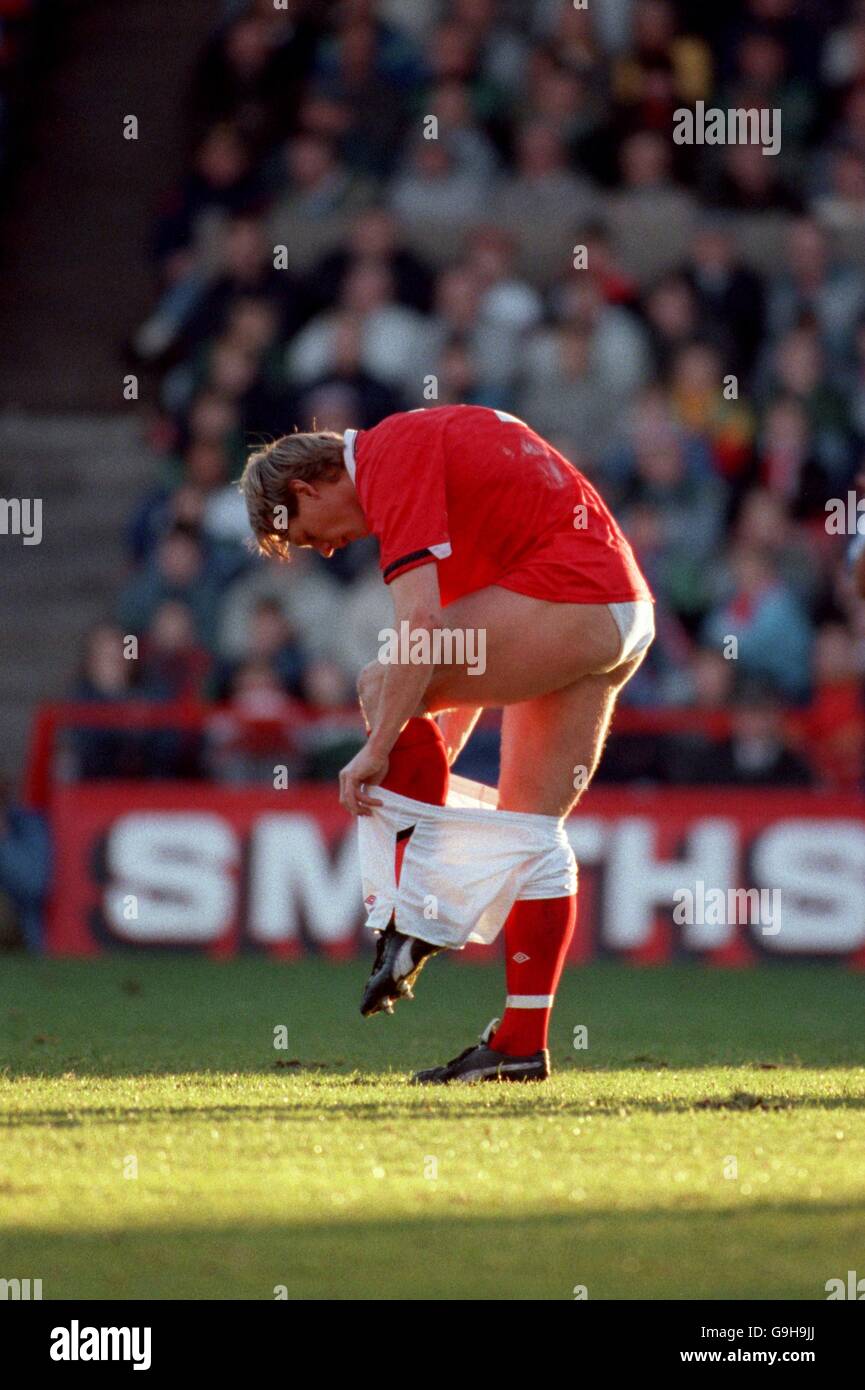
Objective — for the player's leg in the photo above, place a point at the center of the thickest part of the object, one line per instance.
(529, 647)
(418, 768)
(551, 745)
(456, 727)
(531, 642)
(550, 749)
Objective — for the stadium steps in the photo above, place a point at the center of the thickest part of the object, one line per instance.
(78, 273)
(89, 471)
(77, 280)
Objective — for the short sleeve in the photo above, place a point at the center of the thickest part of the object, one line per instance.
(403, 492)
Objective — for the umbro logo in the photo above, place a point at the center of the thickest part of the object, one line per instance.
(520, 957)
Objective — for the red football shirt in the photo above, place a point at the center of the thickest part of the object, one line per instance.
(478, 493)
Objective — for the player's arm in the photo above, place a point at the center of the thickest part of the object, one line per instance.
(417, 603)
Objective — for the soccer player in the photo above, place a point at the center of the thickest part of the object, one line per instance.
(485, 530)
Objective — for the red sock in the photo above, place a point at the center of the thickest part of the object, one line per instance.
(418, 768)
(537, 935)
(418, 763)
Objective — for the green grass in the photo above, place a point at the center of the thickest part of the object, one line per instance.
(310, 1167)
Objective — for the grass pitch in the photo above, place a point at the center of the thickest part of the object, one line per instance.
(709, 1143)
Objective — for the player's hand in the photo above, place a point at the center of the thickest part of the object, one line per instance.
(364, 771)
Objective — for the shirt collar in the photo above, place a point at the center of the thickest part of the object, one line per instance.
(349, 436)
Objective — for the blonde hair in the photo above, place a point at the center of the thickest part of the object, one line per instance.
(271, 502)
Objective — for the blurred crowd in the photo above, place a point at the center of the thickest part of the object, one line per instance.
(401, 203)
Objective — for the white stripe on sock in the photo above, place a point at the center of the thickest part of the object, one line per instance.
(529, 1001)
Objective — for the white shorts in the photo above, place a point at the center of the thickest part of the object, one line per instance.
(636, 624)
(464, 867)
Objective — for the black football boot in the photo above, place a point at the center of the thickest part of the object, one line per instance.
(399, 959)
(483, 1063)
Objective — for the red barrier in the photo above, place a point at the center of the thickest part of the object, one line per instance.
(196, 715)
(220, 870)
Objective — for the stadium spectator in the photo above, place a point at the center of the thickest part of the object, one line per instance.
(657, 46)
(508, 301)
(254, 70)
(255, 738)
(307, 595)
(438, 190)
(543, 186)
(620, 349)
(672, 317)
(757, 752)
(174, 664)
(334, 731)
(615, 284)
(729, 295)
(688, 507)
(706, 403)
(765, 524)
(315, 203)
(107, 676)
(570, 397)
(787, 465)
(458, 316)
(219, 184)
(179, 569)
(770, 632)
(270, 639)
(243, 266)
(375, 235)
(855, 383)
(799, 370)
(749, 182)
(393, 337)
(651, 219)
(815, 284)
(25, 871)
(832, 730)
